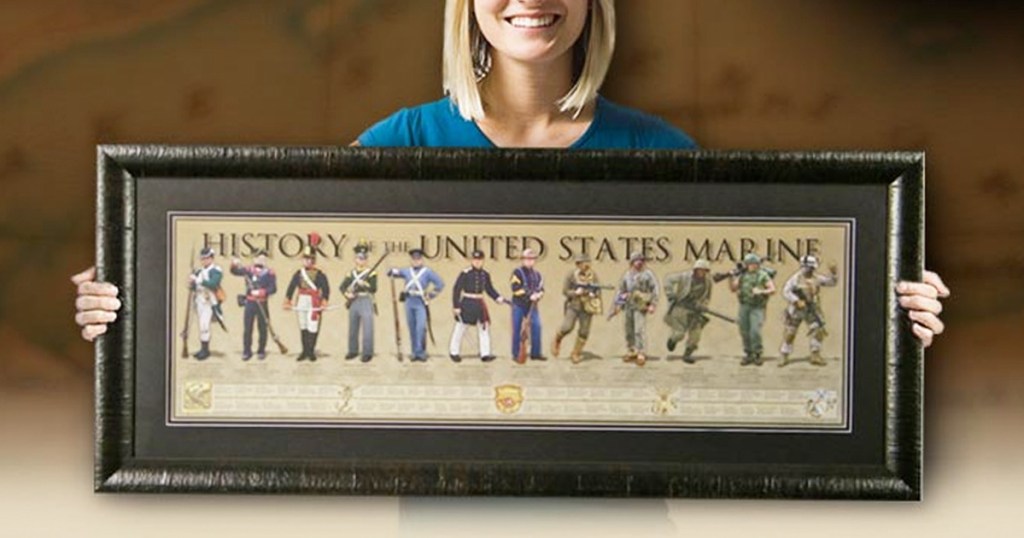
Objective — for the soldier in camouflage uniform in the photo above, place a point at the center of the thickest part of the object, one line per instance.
(802, 291)
(752, 287)
(582, 293)
(688, 292)
(638, 297)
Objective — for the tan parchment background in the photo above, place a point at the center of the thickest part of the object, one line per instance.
(719, 354)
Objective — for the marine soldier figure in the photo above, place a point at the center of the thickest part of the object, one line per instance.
(688, 293)
(802, 291)
(206, 285)
(470, 309)
(638, 297)
(421, 285)
(359, 287)
(752, 287)
(313, 292)
(582, 293)
(260, 284)
(527, 290)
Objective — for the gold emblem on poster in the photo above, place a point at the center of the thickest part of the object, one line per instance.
(508, 398)
(198, 395)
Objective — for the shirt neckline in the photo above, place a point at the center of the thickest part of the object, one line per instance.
(587, 134)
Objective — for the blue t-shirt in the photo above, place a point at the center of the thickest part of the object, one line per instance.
(438, 124)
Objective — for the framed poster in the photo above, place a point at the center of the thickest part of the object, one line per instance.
(456, 322)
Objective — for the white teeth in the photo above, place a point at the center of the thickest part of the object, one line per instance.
(532, 22)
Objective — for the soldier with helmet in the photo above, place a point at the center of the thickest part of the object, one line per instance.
(638, 297)
(205, 283)
(310, 290)
(689, 293)
(359, 287)
(470, 308)
(582, 292)
(260, 284)
(752, 286)
(802, 291)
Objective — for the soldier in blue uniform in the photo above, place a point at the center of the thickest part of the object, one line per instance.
(470, 308)
(260, 284)
(205, 283)
(311, 291)
(359, 287)
(527, 291)
(422, 284)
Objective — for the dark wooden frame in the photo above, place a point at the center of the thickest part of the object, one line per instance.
(117, 469)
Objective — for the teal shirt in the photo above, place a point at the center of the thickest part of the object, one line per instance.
(438, 124)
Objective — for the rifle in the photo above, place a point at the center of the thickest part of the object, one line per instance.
(618, 305)
(739, 270)
(811, 307)
(273, 333)
(189, 306)
(593, 288)
(524, 333)
(357, 280)
(701, 311)
(398, 329)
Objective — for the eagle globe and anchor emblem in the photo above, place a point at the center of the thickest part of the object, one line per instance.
(508, 398)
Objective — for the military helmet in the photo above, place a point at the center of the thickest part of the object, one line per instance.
(207, 252)
(310, 250)
(361, 249)
(477, 255)
(583, 258)
(260, 260)
(809, 261)
(416, 253)
(638, 257)
(751, 258)
(702, 264)
(529, 254)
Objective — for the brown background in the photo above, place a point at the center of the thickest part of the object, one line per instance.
(946, 77)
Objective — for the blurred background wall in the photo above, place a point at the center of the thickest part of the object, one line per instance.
(945, 77)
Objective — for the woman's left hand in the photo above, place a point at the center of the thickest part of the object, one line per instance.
(922, 301)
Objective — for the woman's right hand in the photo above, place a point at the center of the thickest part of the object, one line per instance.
(97, 304)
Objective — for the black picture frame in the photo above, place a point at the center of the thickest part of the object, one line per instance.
(885, 189)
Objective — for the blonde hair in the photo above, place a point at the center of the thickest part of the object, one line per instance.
(467, 59)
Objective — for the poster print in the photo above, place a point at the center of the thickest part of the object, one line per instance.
(509, 321)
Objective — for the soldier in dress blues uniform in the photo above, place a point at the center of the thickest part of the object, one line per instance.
(311, 291)
(359, 287)
(205, 283)
(260, 284)
(470, 308)
(527, 291)
(422, 284)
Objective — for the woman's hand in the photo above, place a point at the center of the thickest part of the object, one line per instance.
(922, 301)
(97, 304)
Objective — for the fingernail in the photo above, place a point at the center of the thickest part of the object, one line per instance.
(902, 287)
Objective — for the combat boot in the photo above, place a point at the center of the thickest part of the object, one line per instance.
(688, 355)
(204, 351)
(783, 360)
(577, 351)
(817, 359)
(630, 356)
(556, 346)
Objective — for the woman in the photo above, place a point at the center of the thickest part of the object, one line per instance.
(525, 73)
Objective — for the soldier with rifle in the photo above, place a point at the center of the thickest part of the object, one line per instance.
(752, 287)
(527, 290)
(359, 288)
(802, 291)
(582, 293)
(689, 293)
(207, 293)
(260, 284)
(638, 298)
(422, 285)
